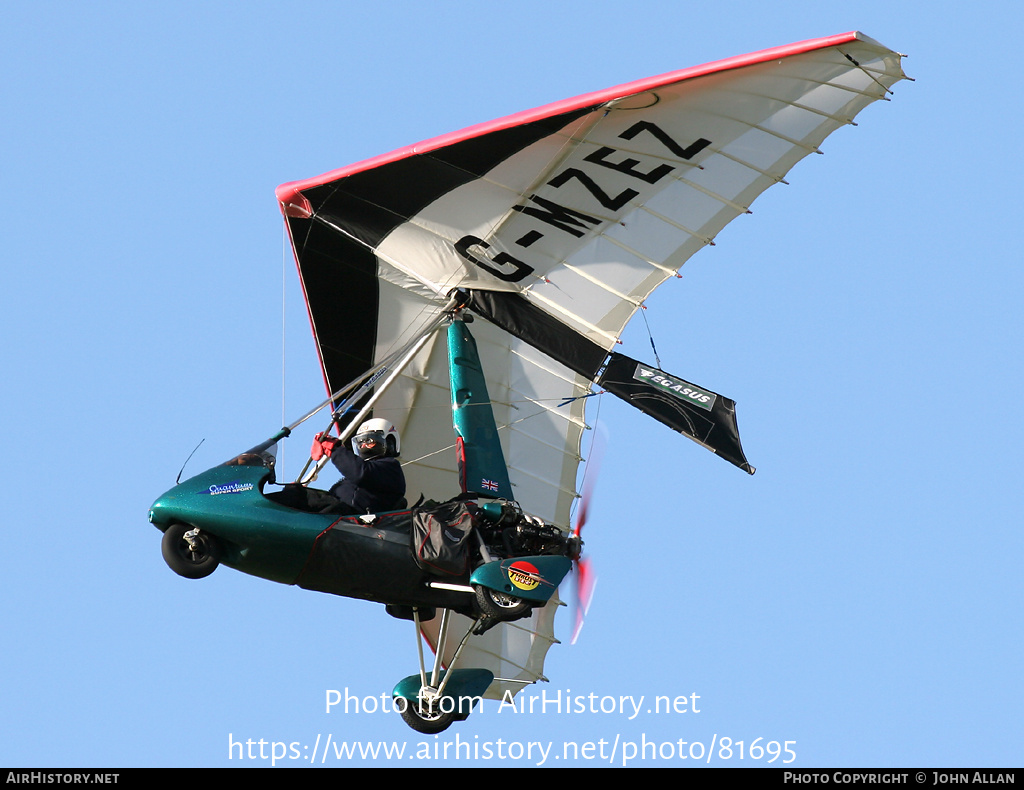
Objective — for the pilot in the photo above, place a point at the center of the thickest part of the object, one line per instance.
(373, 479)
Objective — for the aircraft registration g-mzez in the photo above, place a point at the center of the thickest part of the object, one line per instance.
(551, 227)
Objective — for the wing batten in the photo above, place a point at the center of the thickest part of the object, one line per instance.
(737, 207)
(705, 241)
(560, 312)
(601, 283)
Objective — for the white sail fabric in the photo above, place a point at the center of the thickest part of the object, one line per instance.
(574, 212)
(641, 183)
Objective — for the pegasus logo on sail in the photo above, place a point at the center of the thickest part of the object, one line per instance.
(683, 390)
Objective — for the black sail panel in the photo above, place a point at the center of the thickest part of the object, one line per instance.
(703, 415)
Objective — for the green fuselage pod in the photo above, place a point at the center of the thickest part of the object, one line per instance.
(531, 578)
(358, 557)
(482, 467)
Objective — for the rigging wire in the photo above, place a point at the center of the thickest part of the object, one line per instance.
(284, 326)
(657, 359)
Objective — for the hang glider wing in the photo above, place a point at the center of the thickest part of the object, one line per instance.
(558, 223)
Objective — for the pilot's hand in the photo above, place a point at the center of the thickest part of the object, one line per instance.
(323, 446)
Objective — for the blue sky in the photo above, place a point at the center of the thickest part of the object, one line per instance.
(860, 596)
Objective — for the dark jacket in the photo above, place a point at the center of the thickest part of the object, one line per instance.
(373, 486)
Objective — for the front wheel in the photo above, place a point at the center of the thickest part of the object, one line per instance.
(189, 552)
(422, 717)
(499, 606)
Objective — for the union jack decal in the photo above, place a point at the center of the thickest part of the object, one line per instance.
(490, 485)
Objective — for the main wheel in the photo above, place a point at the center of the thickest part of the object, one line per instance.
(500, 606)
(426, 719)
(189, 552)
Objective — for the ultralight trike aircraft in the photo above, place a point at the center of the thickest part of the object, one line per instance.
(551, 226)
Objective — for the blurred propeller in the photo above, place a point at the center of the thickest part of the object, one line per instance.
(586, 576)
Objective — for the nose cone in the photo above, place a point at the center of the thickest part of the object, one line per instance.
(161, 512)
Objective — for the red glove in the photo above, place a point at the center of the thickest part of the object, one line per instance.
(322, 447)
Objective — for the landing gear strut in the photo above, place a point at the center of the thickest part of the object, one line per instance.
(432, 703)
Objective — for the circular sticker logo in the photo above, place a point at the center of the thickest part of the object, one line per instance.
(524, 575)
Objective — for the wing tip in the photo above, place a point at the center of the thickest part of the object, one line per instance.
(292, 202)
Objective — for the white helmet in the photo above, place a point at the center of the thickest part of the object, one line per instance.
(375, 438)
